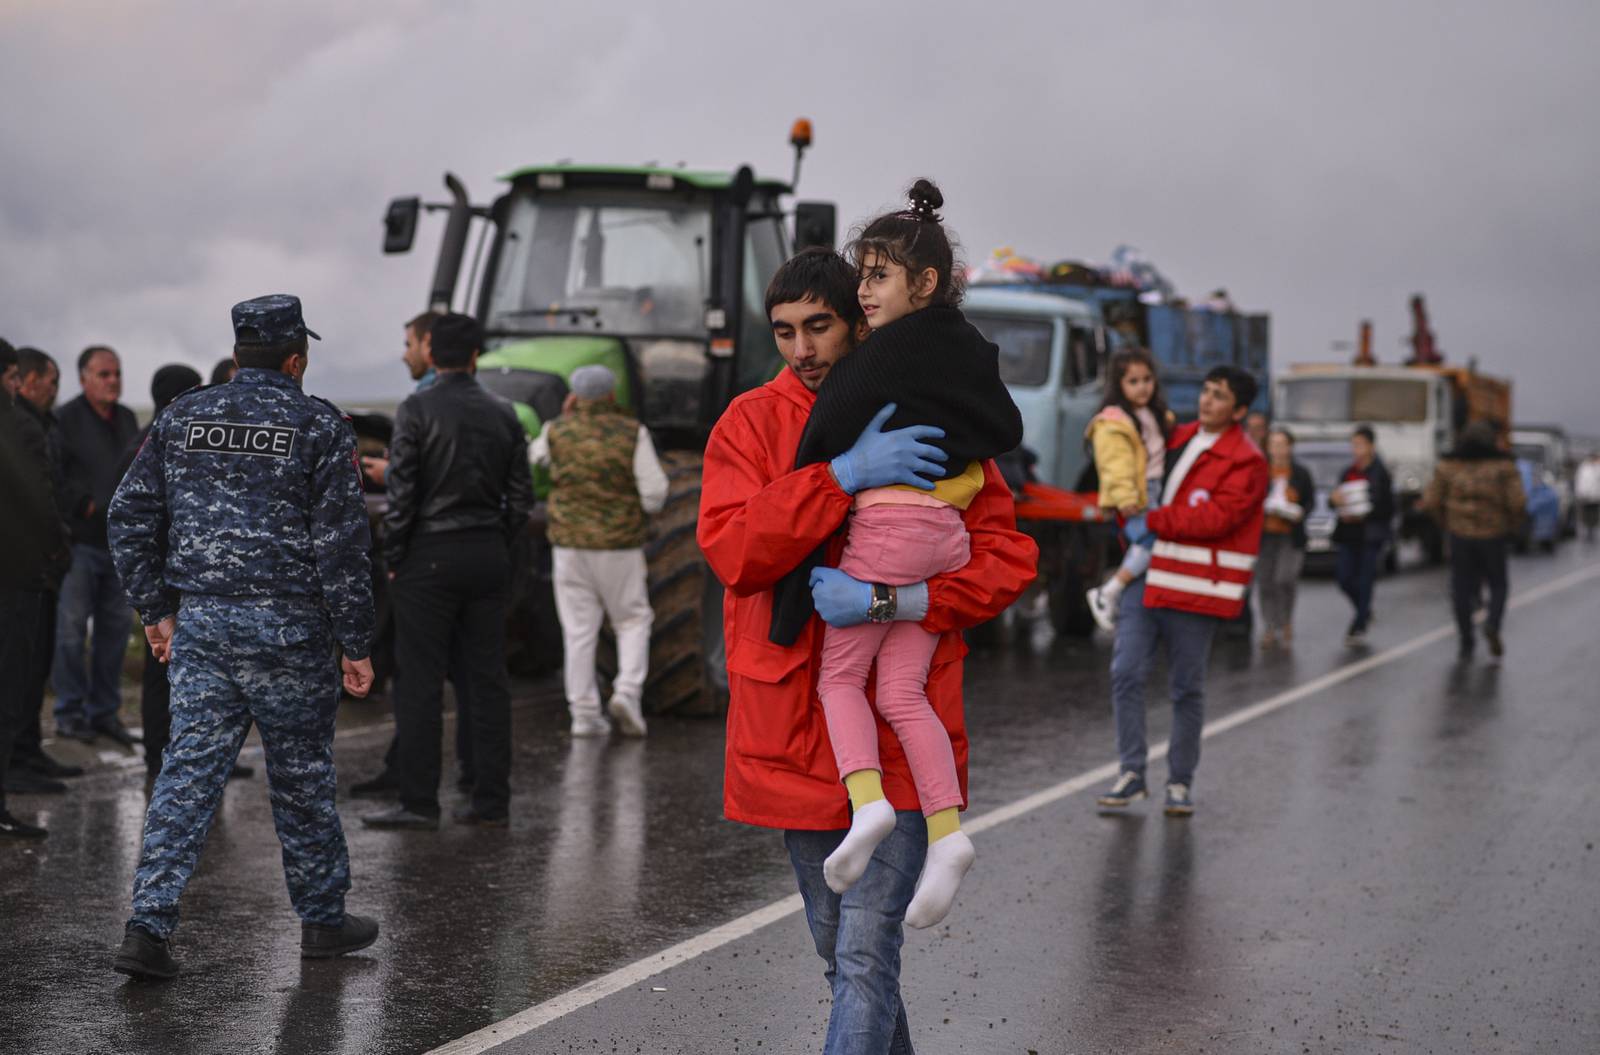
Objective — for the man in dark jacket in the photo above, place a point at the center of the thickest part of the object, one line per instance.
(29, 533)
(1364, 501)
(459, 492)
(95, 431)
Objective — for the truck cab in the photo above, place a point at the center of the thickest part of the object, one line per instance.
(1410, 412)
(1052, 357)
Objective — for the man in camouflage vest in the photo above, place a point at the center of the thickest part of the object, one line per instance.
(605, 477)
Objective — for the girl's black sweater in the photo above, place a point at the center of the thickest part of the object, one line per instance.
(938, 370)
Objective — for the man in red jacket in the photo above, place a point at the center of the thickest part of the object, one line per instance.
(760, 517)
(1205, 532)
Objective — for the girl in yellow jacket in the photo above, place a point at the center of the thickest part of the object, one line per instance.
(1129, 440)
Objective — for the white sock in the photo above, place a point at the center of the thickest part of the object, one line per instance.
(947, 864)
(870, 825)
(1111, 589)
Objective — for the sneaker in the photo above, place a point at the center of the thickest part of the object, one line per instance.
(1497, 647)
(144, 956)
(630, 719)
(1102, 608)
(1356, 635)
(1179, 802)
(11, 828)
(590, 725)
(319, 941)
(1128, 789)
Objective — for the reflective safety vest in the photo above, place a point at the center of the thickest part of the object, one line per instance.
(1209, 534)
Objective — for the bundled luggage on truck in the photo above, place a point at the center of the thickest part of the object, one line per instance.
(1056, 327)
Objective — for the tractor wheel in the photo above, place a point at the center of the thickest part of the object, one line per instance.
(686, 638)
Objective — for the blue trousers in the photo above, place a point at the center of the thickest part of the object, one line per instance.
(1140, 631)
(90, 591)
(235, 662)
(858, 934)
(1356, 571)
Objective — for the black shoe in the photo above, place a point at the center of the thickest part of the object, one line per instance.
(240, 772)
(469, 815)
(1497, 647)
(115, 730)
(144, 956)
(46, 766)
(401, 819)
(23, 782)
(11, 828)
(319, 942)
(81, 733)
(380, 785)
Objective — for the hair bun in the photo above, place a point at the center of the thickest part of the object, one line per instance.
(925, 200)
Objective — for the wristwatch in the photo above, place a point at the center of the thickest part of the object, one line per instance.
(882, 608)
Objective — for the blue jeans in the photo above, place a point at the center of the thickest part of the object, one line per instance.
(90, 591)
(1188, 640)
(859, 934)
(1356, 572)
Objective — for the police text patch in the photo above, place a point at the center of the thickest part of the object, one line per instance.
(233, 437)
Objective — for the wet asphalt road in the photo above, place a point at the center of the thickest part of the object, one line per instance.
(1402, 861)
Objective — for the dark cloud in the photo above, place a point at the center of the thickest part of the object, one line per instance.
(1323, 163)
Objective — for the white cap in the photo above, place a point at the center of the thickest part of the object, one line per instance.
(593, 382)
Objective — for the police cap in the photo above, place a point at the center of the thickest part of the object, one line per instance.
(273, 319)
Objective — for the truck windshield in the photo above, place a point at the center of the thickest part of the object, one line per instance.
(613, 262)
(1354, 399)
(1024, 347)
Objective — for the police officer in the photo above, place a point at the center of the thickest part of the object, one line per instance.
(241, 537)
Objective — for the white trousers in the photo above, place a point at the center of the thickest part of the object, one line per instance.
(592, 584)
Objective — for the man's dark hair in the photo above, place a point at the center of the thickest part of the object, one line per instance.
(223, 371)
(268, 356)
(422, 325)
(820, 274)
(8, 354)
(32, 361)
(90, 352)
(1240, 383)
(1366, 433)
(455, 338)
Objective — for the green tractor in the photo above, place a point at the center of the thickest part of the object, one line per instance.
(658, 273)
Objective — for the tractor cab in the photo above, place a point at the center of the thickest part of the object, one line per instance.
(658, 273)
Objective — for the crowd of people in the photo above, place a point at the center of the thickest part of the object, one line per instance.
(851, 507)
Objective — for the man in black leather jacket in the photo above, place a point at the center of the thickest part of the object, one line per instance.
(459, 491)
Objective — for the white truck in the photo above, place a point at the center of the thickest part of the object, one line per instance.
(1415, 412)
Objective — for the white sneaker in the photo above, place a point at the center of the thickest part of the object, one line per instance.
(590, 725)
(629, 718)
(1102, 608)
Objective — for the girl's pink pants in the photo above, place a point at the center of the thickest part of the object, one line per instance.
(898, 545)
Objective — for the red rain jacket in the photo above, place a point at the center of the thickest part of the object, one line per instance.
(759, 517)
(1209, 534)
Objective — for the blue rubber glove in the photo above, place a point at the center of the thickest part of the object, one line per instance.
(881, 458)
(1136, 531)
(839, 599)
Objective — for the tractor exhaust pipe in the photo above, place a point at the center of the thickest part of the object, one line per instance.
(453, 247)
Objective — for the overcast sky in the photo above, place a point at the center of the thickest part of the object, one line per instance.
(163, 160)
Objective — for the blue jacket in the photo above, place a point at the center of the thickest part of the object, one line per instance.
(251, 490)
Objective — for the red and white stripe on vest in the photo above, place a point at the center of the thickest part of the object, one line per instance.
(1209, 534)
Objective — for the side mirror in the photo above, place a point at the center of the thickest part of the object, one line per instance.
(400, 224)
(815, 223)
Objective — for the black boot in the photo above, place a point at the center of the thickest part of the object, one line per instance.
(46, 766)
(319, 941)
(144, 956)
(11, 828)
(27, 782)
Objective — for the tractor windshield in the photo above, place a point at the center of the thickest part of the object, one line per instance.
(606, 262)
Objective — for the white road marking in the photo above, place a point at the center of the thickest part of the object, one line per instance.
(598, 989)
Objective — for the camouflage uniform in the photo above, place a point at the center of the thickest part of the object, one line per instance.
(242, 516)
(594, 500)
